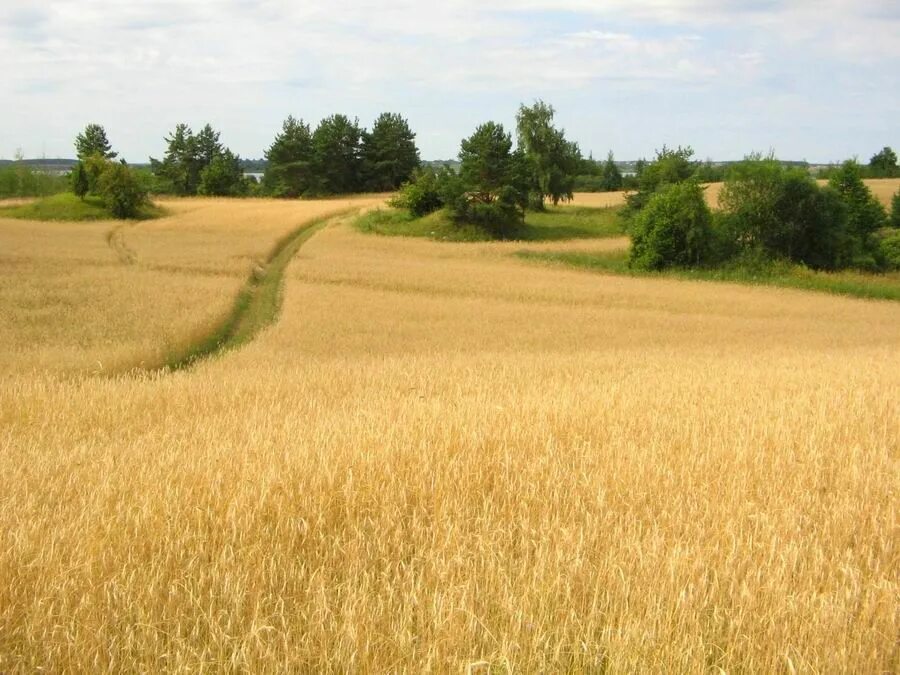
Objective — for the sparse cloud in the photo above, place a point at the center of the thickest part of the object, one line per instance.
(667, 66)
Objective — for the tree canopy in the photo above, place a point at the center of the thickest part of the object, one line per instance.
(552, 160)
(93, 141)
(290, 160)
(185, 168)
(338, 155)
(884, 164)
(389, 153)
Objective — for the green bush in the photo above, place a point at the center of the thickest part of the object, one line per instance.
(670, 166)
(673, 229)
(79, 179)
(502, 217)
(895, 210)
(421, 195)
(781, 212)
(890, 250)
(121, 191)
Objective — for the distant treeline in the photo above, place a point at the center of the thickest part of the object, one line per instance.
(19, 179)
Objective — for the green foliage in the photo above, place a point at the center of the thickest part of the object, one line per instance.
(865, 214)
(92, 141)
(552, 161)
(185, 168)
(338, 155)
(79, 179)
(421, 195)
(223, 176)
(884, 164)
(895, 210)
(890, 250)
(179, 170)
(94, 166)
(121, 191)
(674, 229)
(437, 225)
(68, 207)
(782, 213)
(389, 153)
(553, 224)
(492, 189)
(707, 172)
(670, 167)
(290, 169)
(20, 180)
(486, 160)
(611, 176)
(851, 283)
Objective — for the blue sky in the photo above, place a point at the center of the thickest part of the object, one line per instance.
(811, 79)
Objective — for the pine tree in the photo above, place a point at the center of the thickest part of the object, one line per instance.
(93, 141)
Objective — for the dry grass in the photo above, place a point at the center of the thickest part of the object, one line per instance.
(102, 296)
(441, 456)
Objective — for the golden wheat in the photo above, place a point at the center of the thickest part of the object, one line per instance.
(441, 456)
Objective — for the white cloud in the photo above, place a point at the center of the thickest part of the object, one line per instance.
(143, 65)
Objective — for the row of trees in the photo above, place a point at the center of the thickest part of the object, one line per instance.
(198, 164)
(767, 212)
(18, 179)
(340, 157)
(496, 183)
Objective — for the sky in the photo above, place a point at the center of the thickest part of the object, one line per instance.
(810, 79)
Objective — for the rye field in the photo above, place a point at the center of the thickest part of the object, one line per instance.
(431, 456)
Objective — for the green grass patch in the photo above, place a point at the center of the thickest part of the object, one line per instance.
(66, 206)
(399, 223)
(856, 284)
(572, 222)
(554, 224)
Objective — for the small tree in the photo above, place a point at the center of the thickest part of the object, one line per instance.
(121, 191)
(895, 210)
(552, 160)
(668, 168)
(290, 160)
(94, 166)
(338, 161)
(389, 153)
(180, 168)
(674, 229)
(92, 141)
(611, 176)
(421, 195)
(890, 250)
(223, 176)
(865, 214)
(884, 164)
(486, 161)
(79, 180)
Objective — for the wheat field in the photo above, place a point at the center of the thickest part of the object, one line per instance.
(439, 458)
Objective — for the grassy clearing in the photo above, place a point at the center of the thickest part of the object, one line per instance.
(66, 206)
(856, 284)
(554, 224)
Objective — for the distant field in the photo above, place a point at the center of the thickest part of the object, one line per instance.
(440, 457)
(883, 188)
